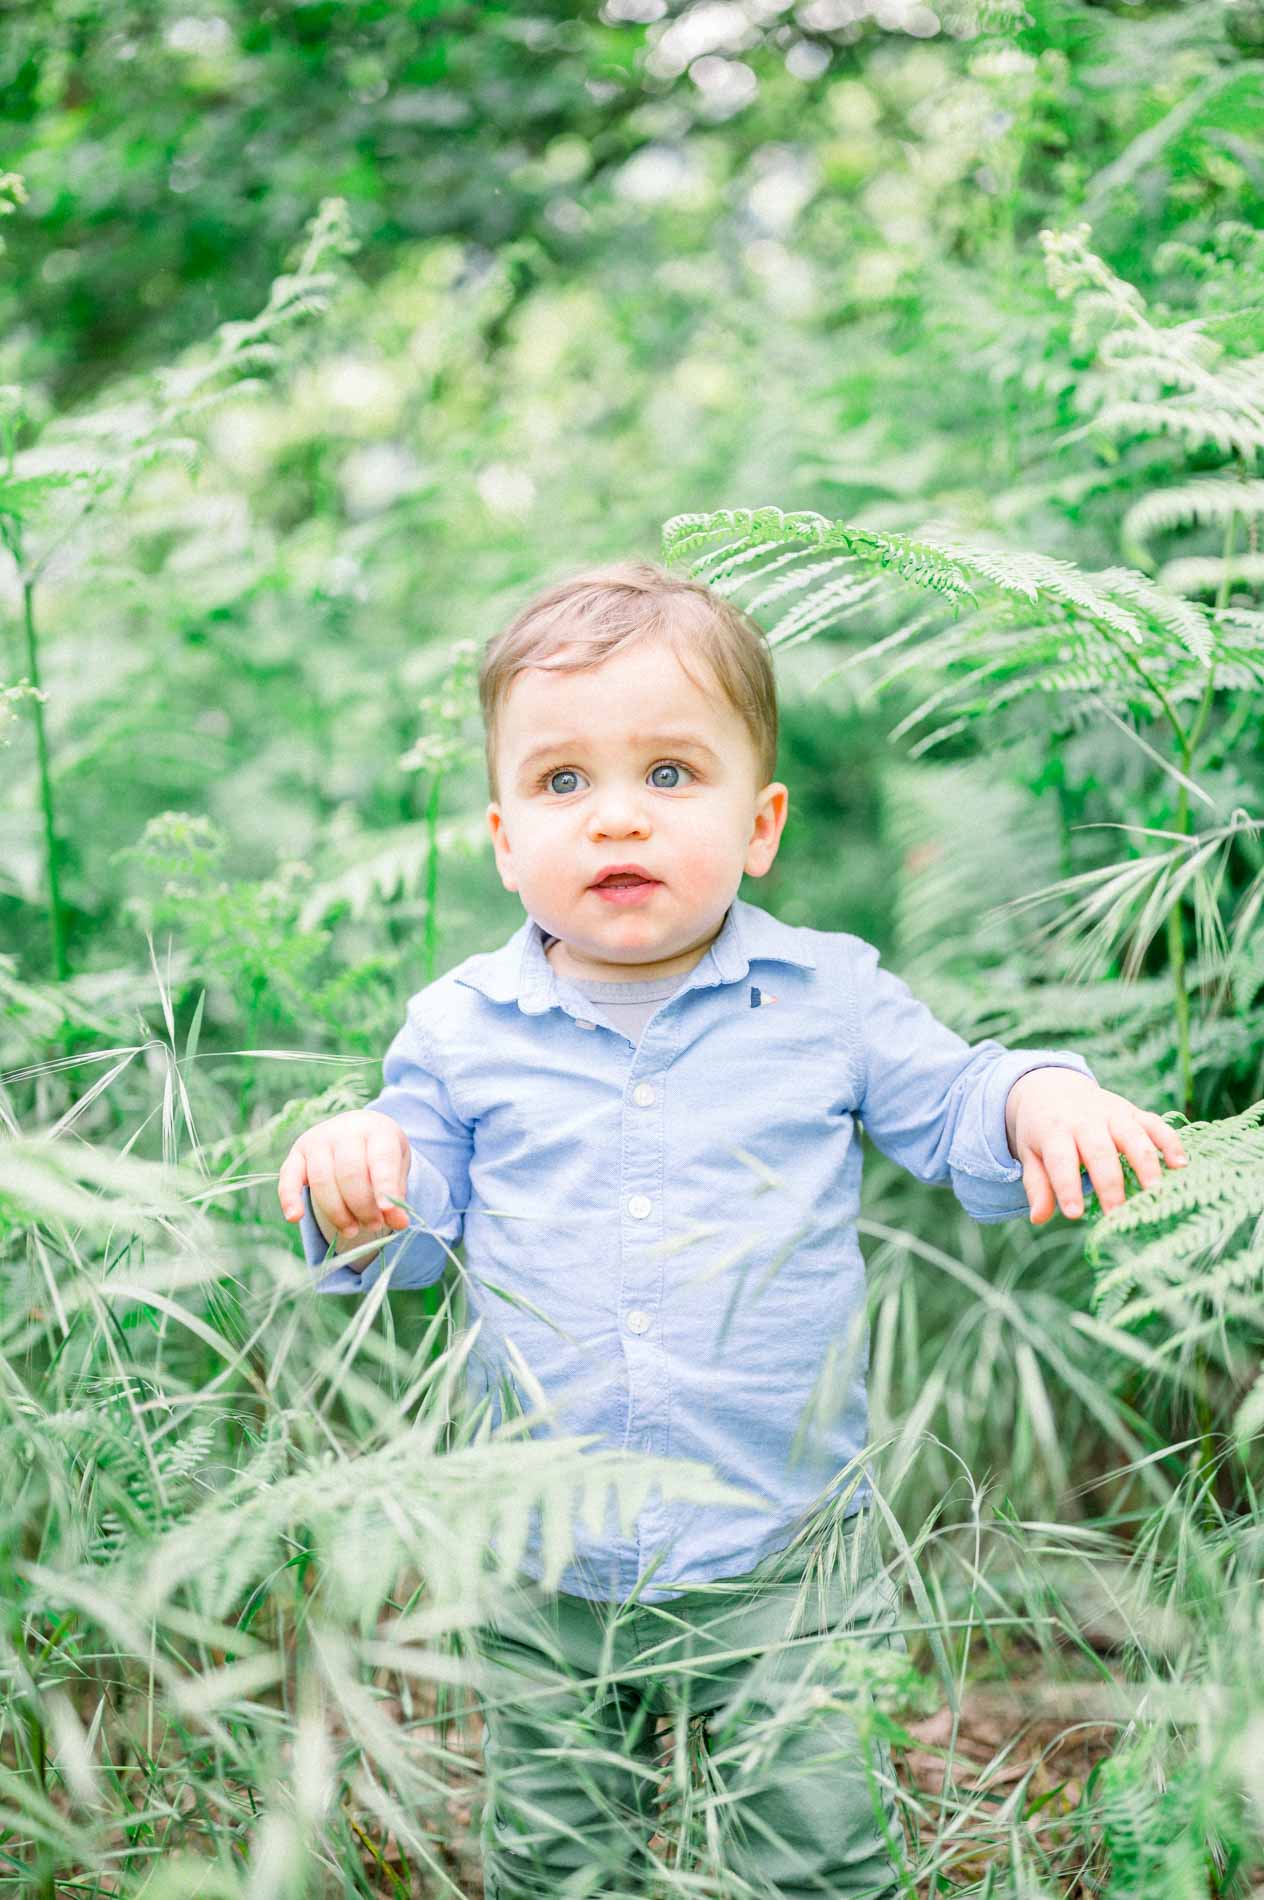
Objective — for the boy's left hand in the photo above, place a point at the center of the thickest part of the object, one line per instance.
(1057, 1121)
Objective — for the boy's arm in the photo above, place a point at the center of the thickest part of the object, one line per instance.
(936, 1103)
(438, 1190)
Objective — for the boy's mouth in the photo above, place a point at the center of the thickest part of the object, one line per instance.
(623, 876)
(625, 883)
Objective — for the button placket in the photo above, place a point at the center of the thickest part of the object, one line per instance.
(644, 1168)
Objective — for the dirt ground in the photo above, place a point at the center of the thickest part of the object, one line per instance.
(1022, 1753)
(1018, 1755)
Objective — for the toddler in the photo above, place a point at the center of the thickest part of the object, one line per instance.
(640, 1114)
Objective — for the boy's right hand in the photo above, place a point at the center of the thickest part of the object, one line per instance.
(354, 1164)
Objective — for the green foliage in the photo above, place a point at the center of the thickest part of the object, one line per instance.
(1157, 1822)
(246, 938)
(999, 652)
(11, 697)
(1183, 1259)
(329, 337)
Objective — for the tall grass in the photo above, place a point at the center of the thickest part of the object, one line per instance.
(248, 1543)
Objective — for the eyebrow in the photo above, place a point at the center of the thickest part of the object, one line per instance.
(686, 741)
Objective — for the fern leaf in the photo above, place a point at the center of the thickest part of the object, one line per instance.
(1189, 419)
(1206, 503)
(1203, 574)
(1200, 1210)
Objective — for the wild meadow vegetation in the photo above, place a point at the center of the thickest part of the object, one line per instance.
(934, 334)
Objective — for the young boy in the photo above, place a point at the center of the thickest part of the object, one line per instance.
(641, 1115)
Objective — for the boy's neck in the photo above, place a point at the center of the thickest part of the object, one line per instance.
(587, 970)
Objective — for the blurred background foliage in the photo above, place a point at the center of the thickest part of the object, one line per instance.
(330, 333)
(601, 269)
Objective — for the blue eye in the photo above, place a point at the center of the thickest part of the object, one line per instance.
(568, 771)
(669, 765)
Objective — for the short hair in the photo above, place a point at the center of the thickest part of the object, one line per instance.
(606, 608)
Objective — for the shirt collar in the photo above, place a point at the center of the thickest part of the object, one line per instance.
(519, 972)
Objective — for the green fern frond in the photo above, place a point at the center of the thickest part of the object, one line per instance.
(1139, 356)
(939, 560)
(1204, 574)
(19, 495)
(1150, 356)
(798, 577)
(368, 1516)
(1248, 621)
(1155, 1818)
(1191, 420)
(1197, 504)
(920, 561)
(129, 1486)
(385, 864)
(684, 535)
(1079, 641)
(1162, 608)
(827, 606)
(755, 529)
(1143, 1251)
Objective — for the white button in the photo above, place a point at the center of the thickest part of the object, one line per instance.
(639, 1206)
(643, 1095)
(638, 1322)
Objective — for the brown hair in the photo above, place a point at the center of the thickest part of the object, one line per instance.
(604, 609)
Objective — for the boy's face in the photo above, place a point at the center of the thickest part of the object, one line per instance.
(629, 762)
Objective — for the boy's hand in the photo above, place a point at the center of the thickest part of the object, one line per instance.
(354, 1165)
(1058, 1121)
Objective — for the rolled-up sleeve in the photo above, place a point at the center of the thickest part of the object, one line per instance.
(438, 1189)
(935, 1103)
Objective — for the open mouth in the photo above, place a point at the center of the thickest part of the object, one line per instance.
(625, 887)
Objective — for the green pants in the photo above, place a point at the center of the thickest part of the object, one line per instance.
(796, 1789)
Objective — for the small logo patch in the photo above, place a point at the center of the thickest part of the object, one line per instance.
(759, 997)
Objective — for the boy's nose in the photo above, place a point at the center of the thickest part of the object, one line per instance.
(618, 817)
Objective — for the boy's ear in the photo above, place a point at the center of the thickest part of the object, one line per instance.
(771, 808)
(500, 845)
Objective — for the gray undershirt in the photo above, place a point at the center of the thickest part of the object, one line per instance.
(628, 1006)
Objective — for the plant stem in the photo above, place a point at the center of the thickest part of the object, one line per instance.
(61, 968)
(1189, 745)
(432, 875)
(1176, 958)
(1203, 1403)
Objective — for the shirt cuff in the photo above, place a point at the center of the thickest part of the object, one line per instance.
(420, 1258)
(993, 1187)
(317, 1250)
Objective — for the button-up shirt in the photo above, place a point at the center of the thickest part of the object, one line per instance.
(673, 1219)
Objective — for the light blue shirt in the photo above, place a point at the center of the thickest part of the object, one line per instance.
(677, 1215)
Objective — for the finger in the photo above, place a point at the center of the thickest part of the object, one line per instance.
(353, 1177)
(358, 1187)
(1168, 1141)
(1101, 1157)
(388, 1171)
(326, 1198)
(290, 1183)
(1037, 1188)
(1061, 1159)
(1128, 1134)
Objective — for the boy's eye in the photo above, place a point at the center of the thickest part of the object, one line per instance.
(668, 765)
(546, 779)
